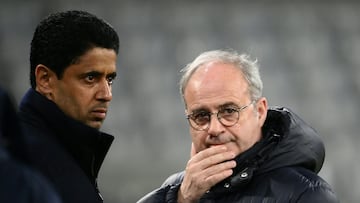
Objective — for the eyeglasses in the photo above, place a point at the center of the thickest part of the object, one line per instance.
(227, 116)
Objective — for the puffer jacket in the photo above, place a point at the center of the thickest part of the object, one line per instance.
(282, 167)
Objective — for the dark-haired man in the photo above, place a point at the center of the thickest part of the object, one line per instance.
(72, 67)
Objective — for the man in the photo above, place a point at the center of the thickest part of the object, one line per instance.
(73, 65)
(241, 150)
(19, 183)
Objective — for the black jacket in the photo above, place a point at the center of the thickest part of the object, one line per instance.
(21, 184)
(64, 150)
(18, 182)
(282, 167)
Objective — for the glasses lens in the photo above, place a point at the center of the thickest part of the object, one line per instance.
(228, 116)
(196, 126)
(199, 120)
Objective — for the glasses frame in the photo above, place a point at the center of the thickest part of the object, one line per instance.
(238, 109)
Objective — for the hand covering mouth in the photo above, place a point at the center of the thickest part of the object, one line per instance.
(213, 144)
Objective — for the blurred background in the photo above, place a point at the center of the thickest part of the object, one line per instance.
(309, 55)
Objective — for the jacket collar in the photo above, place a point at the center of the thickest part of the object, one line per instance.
(247, 164)
(287, 141)
(87, 145)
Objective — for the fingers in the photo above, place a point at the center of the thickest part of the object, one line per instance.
(204, 170)
(193, 151)
(218, 173)
(209, 168)
(211, 156)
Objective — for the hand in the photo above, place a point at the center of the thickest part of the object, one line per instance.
(204, 170)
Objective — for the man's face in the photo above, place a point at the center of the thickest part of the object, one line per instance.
(84, 91)
(216, 86)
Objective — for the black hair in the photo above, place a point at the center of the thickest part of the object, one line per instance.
(61, 38)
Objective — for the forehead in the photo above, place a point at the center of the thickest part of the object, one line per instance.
(215, 84)
(95, 59)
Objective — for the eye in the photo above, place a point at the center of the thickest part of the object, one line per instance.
(110, 80)
(228, 111)
(90, 78)
(201, 117)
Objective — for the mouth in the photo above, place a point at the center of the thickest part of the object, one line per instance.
(218, 142)
(209, 145)
(99, 113)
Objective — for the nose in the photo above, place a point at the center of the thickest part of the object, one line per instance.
(215, 127)
(104, 92)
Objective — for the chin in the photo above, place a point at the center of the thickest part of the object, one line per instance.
(234, 149)
(95, 124)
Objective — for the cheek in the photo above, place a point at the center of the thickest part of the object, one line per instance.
(73, 101)
(81, 98)
(71, 106)
(198, 138)
(247, 136)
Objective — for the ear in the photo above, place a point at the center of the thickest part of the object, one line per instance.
(262, 107)
(44, 79)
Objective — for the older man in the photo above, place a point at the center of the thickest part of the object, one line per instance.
(242, 151)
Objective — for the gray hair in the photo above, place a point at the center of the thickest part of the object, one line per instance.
(248, 67)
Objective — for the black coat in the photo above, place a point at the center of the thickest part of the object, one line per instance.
(21, 184)
(18, 182)
(282, 167)
(64, 150)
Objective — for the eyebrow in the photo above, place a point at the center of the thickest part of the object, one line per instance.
(97, 73)
(113, 75)
(226, 104)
